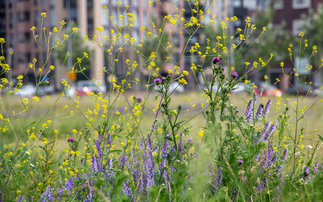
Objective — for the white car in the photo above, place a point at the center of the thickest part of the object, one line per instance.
(26, 90)
(92, 85)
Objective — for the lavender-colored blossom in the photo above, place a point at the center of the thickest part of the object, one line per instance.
(216, 60)
(127, 190)
(82, 162)
(248, 113)
(284, 155)
(91, 193)
(261, 91)
(19, 198)
(267, 108)
(166, 176)
(109, 171)
(315, 167)
(98, 148)
(123, 161)
(274, 159)
(255, 96)
(190, 140)
(263, 132)
(259, 112)
(69, 184)
(95, 165)
(270, 131)
(256, 157)
(60, 192)
(240, 161)
(307, 168)
(47, 195)
(180, 144)
(109, 141)
(279, 168)
(100, 136)
(157, 81)
(234, 73)
(70, 139)
(164, 149)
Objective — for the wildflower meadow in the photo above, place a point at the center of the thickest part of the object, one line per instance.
(157, 145)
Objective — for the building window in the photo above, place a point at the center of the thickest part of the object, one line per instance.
(36, 19)
(134, 3)
(43, 3)
(18, 17)
(176, 40)
(10, 3)
(300, 4)
(279, 4)
(145, 19)
(19, 39)
(11, 40)
(114, 2)
(35, 2)
(52, 17)
(298, 26)
(11, 20)
(135, 21)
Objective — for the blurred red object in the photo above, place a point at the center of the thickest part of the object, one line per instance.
(80, 91)
(268, 90)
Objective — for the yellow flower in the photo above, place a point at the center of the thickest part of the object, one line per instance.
(266, 77)
(43, 14)
(52, 67)
(74, 29)
(185, 72)
(2, 40)
(35, 98)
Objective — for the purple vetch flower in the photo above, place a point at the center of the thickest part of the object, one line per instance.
(19, 198)
(270, 131)
(69, 184)
(180, 144)
(157, 81)
(82, 162)
(255, 96)
(279, 168)
(109, 141)
(164, 149)
(261, 91)
(123, 161)
(315, 167)
(166, 176)
(95, 165)
(267, 108)
(284, 155)
(109, 171)
(100, 136)
(47, 195)
(91, 193)
(70, 139)
(234, 73)
(60, 191)
(139, 99)
(263, 132)
(240, 161)
(274, 159)
(307, 168)
(256, 157)
(98, 148)
(248, 113)
(163, 79)
(216, 60)
(126, 189)
(259, 112)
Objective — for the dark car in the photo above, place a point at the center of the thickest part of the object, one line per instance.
(302, 89)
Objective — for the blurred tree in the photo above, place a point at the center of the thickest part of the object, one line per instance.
(78, 49)
(275, 40)
(313, 31)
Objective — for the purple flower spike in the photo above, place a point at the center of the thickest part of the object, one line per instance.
(279, 168)
(259, 112)
(248, 113)
(263, 132)
(234, 73)
(95, 165)
(284, 155)
(270, 132)
(70, 139)
(47, 195)
(267, 108)
(240, 161)
(98, 148)
(69, 184)
(306, 169)
(163, 79)
(157, 81)
(139, 99)
(216, 60)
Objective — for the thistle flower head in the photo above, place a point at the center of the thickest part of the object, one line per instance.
(70, 139)
(234, 73)
(216, 60)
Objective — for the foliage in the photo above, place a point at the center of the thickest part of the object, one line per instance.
(238, 156)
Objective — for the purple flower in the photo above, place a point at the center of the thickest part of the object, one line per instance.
(70, 139)
(95, 164)
(270, 132)
(259, 112)
(98, 148)
(126, 189)
(163, 79)
(256, 157)
(157, 81)
(216, 60)
(234, 73)
(279, 168)
(248, 113)
(69, 184)
(180, 145)
(190, 140)
(284, 155)
(19, 198)
(164, 149)
(306, 169)
(123, 161)
(139, 99)
(267, 108)
(263, 132)
(47, 195)
(240, 161)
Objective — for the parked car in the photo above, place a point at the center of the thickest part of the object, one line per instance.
(45, 90)
(26, 90)
(302, 89)
(268, 89)
(239, 88)
(317, 92)
(92, 85)
(81, 91)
